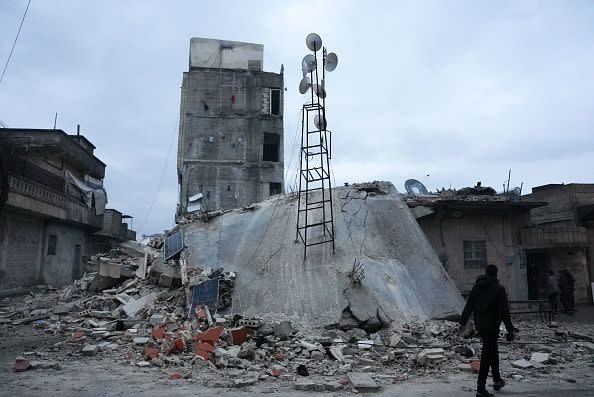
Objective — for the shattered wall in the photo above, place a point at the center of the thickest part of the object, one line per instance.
(20, 249)
(65, 265)
(403, 276)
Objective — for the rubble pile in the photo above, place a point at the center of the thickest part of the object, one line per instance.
(142, 324)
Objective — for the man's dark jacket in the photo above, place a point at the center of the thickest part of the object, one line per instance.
(488, 302)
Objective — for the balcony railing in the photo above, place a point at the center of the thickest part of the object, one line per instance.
(550, 237)
(74, 211)
(19, 167)
(36, 191)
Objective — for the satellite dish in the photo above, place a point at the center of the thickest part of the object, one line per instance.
(331, 61)
(319, 90)
(304, 85)
(415, 187)
(313, 42)
(309, 63)
(317, 123)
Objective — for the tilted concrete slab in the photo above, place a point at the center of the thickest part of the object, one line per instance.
(403, 276)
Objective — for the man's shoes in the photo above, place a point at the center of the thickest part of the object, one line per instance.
(498, 385)
(484, 393)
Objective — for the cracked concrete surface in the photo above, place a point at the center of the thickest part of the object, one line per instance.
(403, 276)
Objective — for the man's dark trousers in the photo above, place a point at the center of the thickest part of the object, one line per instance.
(489, 359)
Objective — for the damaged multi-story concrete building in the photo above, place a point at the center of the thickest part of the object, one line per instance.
(53, 203)
(230, 149)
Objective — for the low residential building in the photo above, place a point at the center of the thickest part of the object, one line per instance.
(561, 236)
(53, 200)
(467, 235)
(114, 231)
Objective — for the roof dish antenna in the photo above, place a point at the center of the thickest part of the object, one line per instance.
(313, 41)
(415, 187)
(304, 85)
(331, 61)
(316, 150)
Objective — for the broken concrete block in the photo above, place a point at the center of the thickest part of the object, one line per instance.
(336, 352)
(283, 330)
(90, 350)
(541, 358)
(134, 305)
(143, 364)
(522, 364)
(307, 385)
(157, 319)
(141, 340)
(430, 356)
(248, 351)
(396, 341)
(362, 382)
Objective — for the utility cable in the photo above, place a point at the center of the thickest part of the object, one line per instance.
(15, 41)
(162, 174)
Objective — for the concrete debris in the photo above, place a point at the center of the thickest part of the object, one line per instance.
(362, 382)
(522, 364)
(90, 350)
(431, 356)
(542, 358)
(139, 322)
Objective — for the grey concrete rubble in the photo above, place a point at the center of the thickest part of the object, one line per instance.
(162, 335)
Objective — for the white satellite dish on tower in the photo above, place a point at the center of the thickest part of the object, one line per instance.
(331, 61)
(304, 85)
(309, 62)
(322, 125)
(313, 41)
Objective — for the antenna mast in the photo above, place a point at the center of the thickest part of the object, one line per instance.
(315, 221)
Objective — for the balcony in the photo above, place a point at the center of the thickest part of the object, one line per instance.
(38, 198)
(554, 236)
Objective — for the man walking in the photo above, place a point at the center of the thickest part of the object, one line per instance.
(488, 302)
(551, 290)
(566, 289)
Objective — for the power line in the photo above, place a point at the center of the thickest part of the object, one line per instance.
(162, 173)
(15, 41)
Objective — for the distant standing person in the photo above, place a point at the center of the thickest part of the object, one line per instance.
(551, 290)
(566, 290)
(488, 302)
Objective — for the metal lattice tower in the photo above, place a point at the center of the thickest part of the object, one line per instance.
(315, 220)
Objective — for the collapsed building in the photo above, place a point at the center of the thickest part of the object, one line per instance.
(54, 203)
(383, 270)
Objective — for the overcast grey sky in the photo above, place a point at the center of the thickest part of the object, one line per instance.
(460, 90)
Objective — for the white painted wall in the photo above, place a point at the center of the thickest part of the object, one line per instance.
(213, 53)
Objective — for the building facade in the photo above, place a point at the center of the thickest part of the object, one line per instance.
(561, 236)
(230, 148)
(467, 235)
(52, 185)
